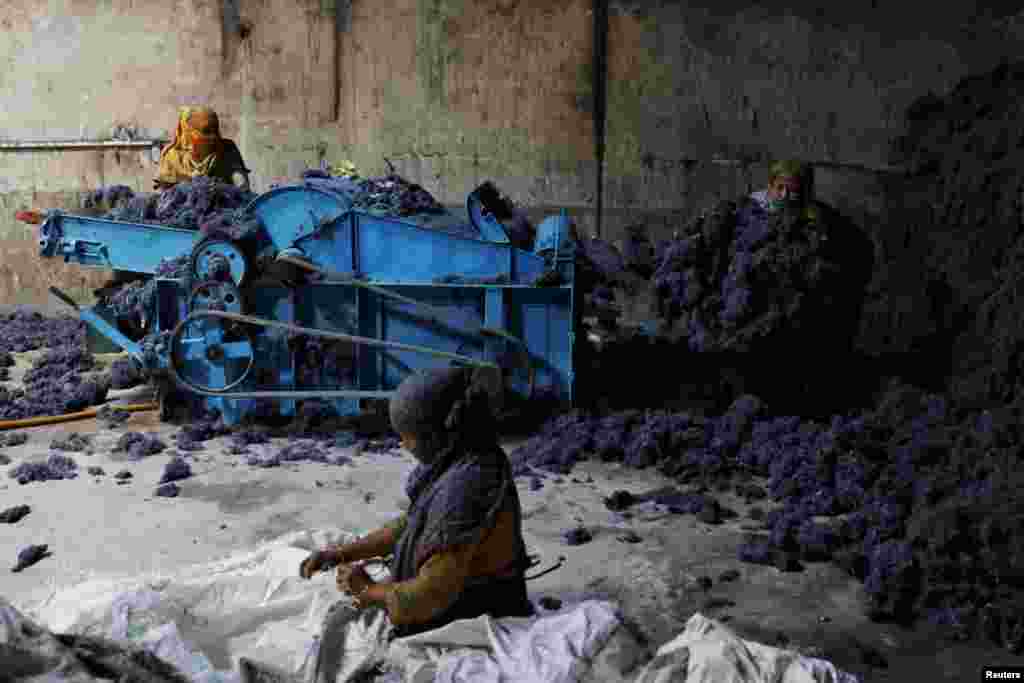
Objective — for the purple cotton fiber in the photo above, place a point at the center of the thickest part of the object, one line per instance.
(168, 490)
(604, 258)
(885, 469)
(577, 536)
(73, 442)
(191, 446)
(756, 551)
(30, 555)
(112, 417)
(176, 470)
(620, 500)
(299, 451)
(681, 503)
(54, 385)
(124, 374)
(249, 437)
(13, 515)
(13, 439)
(816, 541)
(186, 205)
(139, 445)
(23, 331)
(892, 580)
(55, 468)
(200, 431)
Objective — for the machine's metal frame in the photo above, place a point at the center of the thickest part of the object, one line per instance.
(408, 292)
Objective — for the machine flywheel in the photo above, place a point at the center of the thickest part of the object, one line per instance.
(211, 353)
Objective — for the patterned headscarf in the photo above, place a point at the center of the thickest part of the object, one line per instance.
(197, 139)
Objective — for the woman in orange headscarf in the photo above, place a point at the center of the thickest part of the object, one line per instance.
(198, 150)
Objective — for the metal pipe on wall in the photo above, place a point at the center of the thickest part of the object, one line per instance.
(600, 89)
(25, 145)
(342, 24)
(247, 106)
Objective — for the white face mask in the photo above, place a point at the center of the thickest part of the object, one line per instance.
(785, 197)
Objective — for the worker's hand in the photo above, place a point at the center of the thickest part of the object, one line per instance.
(352, 579)
(318, 562)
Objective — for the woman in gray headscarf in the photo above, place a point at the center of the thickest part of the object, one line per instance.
(458, 551)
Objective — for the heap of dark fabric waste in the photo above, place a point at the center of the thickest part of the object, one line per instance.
(61, 380)
(917, 491)
(323, 362)
(394, 195)
(389, 195)
(737, 287)
(54, 468)
(41, 654)
(22, 331)
(186, 205)
(741, 276)
(132, 302)
(922, 502)
(315, 434)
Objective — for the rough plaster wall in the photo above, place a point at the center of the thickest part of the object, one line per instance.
(456, 92)
(74, 68)
(287, 70)
(53, 180)
(828, 82)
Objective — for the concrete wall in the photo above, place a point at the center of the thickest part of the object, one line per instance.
(737, 80)
(700, 96)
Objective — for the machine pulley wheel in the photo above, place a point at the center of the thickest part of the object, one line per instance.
(214, 295)
(220, 259)
(214, 355)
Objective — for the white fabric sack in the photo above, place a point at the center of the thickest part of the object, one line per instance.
(708, 652)
(253, 604)
(554, 648)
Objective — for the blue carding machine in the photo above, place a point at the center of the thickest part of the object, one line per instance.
(321, 302)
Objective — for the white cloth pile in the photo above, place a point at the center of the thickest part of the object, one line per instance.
(708, 652)
(205, 619)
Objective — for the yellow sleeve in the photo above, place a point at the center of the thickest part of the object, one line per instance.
(435, 588)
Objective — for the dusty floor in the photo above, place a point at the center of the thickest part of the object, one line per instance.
(96, 527)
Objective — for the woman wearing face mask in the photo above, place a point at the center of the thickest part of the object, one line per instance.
(458, 551)
(198, 149)
(789, 185)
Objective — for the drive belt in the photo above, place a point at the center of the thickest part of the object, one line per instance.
(306, 331)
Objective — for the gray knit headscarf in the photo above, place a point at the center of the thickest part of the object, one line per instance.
(463, 478)
(423, 407)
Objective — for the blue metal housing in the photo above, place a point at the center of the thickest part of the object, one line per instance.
(443, 260)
